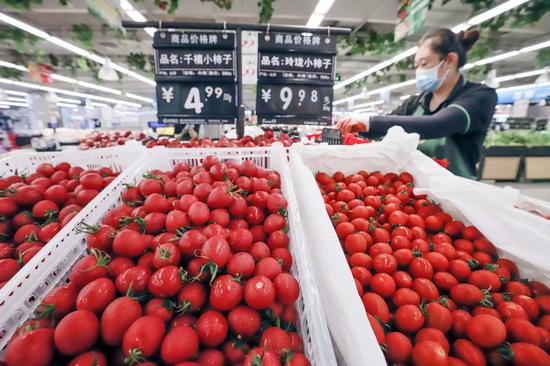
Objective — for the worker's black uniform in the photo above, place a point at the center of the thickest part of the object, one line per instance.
(454, 131)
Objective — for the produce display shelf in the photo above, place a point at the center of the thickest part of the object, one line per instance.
(50, 266)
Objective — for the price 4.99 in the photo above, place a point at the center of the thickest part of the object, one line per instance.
(195, 100)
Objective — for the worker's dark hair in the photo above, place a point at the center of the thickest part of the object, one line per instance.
(445, 41)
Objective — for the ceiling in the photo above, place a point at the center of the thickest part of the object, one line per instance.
(379, 15)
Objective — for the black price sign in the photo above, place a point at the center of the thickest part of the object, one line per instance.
(197, 103)
(196, 75)
(296, 66)
(292, 101)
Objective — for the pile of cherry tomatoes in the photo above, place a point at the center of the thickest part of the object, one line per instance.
(35, 207)
(435, 290)
(191, 269)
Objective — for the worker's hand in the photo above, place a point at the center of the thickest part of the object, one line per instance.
(352, 124)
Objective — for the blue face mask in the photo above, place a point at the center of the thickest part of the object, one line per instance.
(427, 80)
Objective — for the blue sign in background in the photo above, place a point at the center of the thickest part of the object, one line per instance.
(534, 94)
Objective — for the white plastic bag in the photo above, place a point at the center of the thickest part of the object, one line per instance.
(519, 235)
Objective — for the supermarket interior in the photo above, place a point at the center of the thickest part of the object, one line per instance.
(275, 182)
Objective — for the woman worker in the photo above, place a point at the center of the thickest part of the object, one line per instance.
(451, 114)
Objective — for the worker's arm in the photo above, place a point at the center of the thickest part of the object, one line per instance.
(449, 121)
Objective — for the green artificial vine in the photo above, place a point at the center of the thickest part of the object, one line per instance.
(543, 58)
(136, 61)
(21, 40)
(19, 4)
(10, 73)
(84, 35)
(266, 10)
(370, 42)
(222, 4)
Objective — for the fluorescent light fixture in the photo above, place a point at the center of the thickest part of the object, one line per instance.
(364, 110)
(139, 97)
(496, 11)
(67, 92)
(17, 99)
(3, 106)
(490, 60)
(23, 26)
(85, 84)
(403, 97)
(66, 105)
(368, 104)
(478, 19)
(520, 75)
(13, 66)
(524, 86)
(95, 104)
(535, 47)
(135, 15)
(69, 100)
(70, 47)
(15, 104)
(322, 8)
(15, 92)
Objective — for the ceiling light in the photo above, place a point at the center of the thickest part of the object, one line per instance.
(15, 92)
(322, 8)
(95, 104)
(3, 106)
(18, 99)
(69, 100)
(520, 75)
(66, 105)
(67, 79)
(369, 104)
(69, 46)
(535, 47)
(403, 97)
(67, 92)
(524, 86)
(478, 19)
(135, 15)
(139, 97)
(13, 66)
(15, 104)
(490, 60)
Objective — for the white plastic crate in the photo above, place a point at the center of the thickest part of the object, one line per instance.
(18, 296)
(50, 267)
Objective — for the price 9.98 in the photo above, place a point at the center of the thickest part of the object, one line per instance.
(286, 96)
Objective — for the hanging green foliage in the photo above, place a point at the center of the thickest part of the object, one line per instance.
(543, 58)
(371, 42)
(266, 10)
(19, 4)
(54, 60)
(64, 2)
(136, 61)
(9, 73)
(18, 38)
(222, 4)
(477, 73)
(84, 35)
(485, 46)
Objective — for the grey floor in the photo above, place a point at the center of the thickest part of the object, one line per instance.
(536, 190)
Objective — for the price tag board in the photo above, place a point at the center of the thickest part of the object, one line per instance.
(196, 103)
(294, 104)
(295, 78)
(196, 77)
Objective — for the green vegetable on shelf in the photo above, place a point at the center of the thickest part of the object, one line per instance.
(518, 138)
